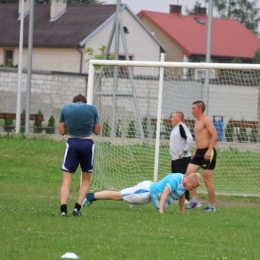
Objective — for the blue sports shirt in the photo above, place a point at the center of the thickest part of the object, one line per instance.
(174, 182)
(79, 119)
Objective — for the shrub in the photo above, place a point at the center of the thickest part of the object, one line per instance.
(22, 124)
(131, 133)
(154, 131)
(8, 122)
(106, 129)
(37, 123)
(242, 135)
(253, 137)
(119, 128)
(229, 131)
(145, 127)
(51, 125)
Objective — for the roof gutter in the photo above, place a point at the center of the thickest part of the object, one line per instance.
(81, 58)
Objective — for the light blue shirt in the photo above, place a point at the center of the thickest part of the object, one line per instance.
(174, 182)
(79, 119)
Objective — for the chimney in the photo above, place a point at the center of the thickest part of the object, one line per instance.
(26, 8)
(175, 9)
(58, 8)
(200, 10)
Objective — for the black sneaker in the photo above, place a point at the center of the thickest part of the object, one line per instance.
(76, 213)
(63, 214)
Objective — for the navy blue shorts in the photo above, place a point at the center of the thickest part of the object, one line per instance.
(198, 159)
(78, 152)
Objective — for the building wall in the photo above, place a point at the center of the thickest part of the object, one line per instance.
(49, 92)
(174, 51)
(140, 45)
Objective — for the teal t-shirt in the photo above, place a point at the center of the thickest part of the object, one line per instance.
(79, 119)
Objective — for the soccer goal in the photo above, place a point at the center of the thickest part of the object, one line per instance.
(136, 99)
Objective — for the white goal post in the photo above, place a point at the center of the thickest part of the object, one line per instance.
(135, 100)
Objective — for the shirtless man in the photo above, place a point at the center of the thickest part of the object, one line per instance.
(205, 154)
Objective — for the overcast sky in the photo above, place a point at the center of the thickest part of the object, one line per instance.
(154, 5)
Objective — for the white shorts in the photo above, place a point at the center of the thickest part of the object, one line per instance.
(137, 195)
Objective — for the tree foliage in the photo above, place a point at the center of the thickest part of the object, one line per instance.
(192, 10)
(244, 11)
(101, 56)
(256, 57)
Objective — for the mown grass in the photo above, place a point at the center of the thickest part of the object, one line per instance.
(31, 227)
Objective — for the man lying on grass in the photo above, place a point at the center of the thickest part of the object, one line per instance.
(162, 193)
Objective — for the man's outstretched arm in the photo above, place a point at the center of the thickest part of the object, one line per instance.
(164, 197)
(181, 203)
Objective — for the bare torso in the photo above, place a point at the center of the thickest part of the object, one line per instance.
(202, 135)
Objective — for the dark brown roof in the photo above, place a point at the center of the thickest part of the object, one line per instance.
(78, 22)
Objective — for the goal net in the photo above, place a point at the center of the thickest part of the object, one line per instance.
(135, 101)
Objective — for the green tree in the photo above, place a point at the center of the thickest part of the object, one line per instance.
(145, 127)
(22, 123)
(119, 128)
(7, 124)
(256, 57)
(245, 11)
(229, 133)
(51, 125)
(236, 60)
(37, 124)
(131, 133)
(253, 136)
(106, 129)
(192, 10)
(102, 49)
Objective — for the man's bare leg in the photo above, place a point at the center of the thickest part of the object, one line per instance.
(65, 187)
(65, 192)
(108, 195)
(83, 190)
(208, 175)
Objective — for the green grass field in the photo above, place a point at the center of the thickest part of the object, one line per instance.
(31, 227)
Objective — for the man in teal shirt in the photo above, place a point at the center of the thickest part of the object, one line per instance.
(79, 120)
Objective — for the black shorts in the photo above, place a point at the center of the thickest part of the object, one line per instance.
(198, 159)
(78, 152)
(180, 165)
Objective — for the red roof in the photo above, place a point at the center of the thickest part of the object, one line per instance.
(230, 38)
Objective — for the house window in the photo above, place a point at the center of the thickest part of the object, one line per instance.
(125, 29)
(8, 58)
(199, 20)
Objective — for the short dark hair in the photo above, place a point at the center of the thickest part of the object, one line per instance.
(180, 114)
(79, 98)
(200, 104)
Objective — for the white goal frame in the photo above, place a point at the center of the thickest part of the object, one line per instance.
(160, 65)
